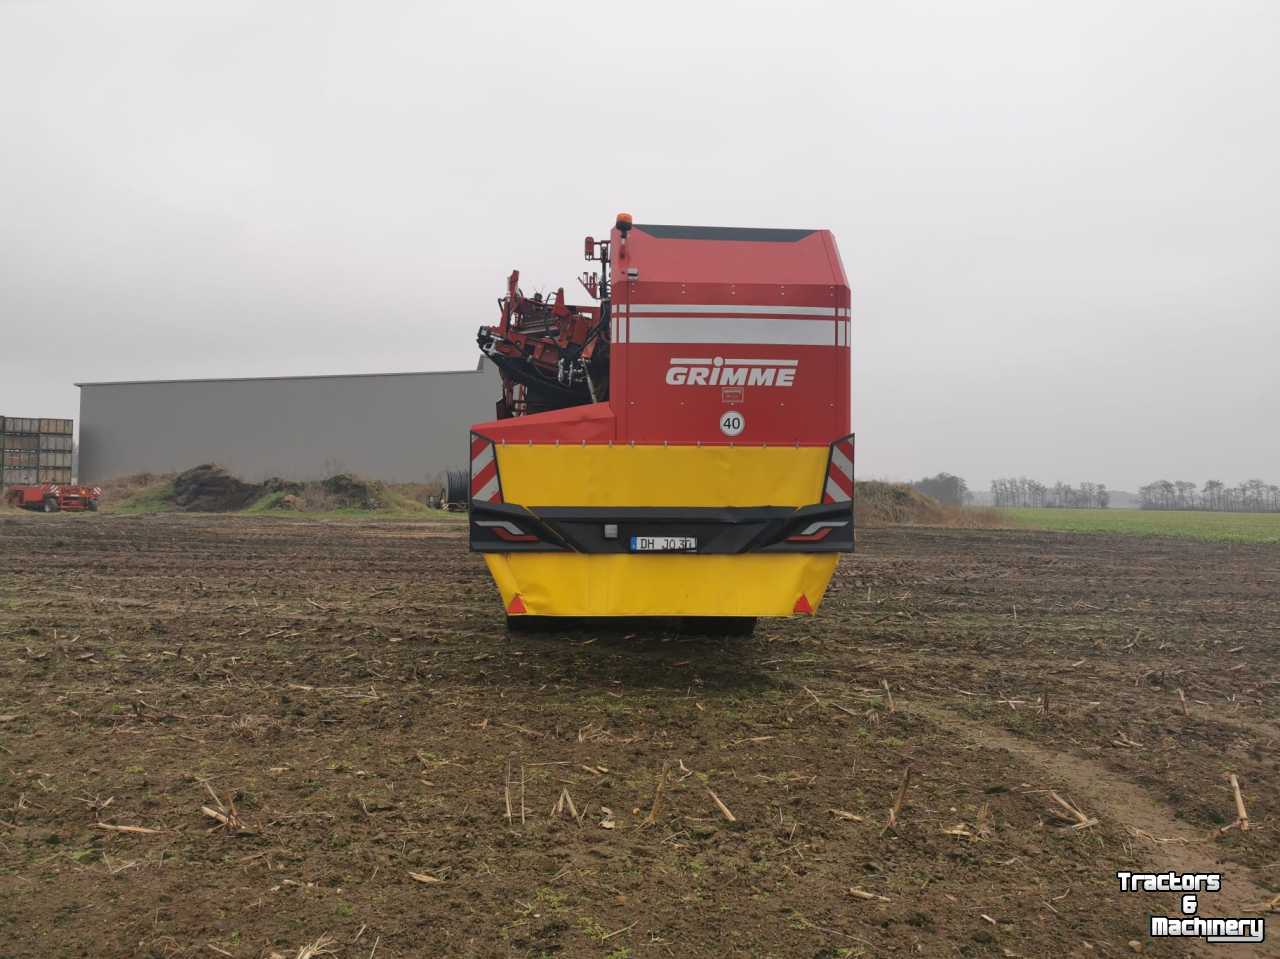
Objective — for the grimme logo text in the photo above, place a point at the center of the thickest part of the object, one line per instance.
(719, 371)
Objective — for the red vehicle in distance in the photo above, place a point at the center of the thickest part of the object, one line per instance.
(53, 497)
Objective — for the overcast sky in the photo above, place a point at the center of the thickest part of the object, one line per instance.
(1061, 222)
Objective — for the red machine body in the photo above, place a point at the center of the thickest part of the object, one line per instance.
(753, 321)
(695, 323)
(53, 497)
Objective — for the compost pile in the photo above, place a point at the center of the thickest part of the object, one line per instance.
(342, 491)
(211, 489)
(350, 492)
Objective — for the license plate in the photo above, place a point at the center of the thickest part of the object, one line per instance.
(663, 544)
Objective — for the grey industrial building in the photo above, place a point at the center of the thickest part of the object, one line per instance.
(395, 427)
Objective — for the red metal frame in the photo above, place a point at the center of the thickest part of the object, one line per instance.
(557, 341)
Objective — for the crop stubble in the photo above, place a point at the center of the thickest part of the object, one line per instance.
(241, 736)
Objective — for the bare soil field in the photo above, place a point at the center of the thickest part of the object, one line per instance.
(248, 737)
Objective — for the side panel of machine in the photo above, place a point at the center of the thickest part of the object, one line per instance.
(750, 346)
(747, 374)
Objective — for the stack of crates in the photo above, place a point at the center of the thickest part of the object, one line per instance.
(35, 450)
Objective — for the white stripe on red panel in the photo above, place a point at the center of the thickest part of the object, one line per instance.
(652, 329)
(729, 361)
(732, 308)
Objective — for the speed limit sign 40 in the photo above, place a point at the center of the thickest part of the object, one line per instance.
(732, 423)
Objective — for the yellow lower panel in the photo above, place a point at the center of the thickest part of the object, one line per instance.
(622, 584)
(625, 475)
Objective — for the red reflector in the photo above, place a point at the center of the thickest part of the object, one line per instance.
(802, 606)
(516, 606)
(811, 538)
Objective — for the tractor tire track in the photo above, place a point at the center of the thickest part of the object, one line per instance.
(1097, 790)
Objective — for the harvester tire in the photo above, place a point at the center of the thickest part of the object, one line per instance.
(539, 624)
(720, 625)
(51, 505)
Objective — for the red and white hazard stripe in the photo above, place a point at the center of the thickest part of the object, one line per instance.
(839, 484)
(485, 485)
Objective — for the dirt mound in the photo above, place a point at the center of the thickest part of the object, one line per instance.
(424, 494)
(349, 492)
(896, 504)
(342, 491)
(211, 489)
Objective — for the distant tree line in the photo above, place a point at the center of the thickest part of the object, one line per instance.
(1251, 496)
(1020, 491)
(945, 488)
